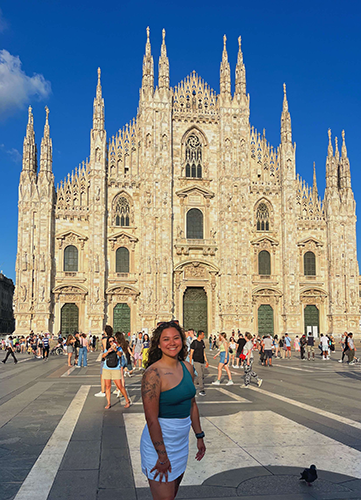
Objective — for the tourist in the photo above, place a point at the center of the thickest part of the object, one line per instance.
(288, 345)
(303, 343)
(83, 351)
(46, 347)
(169, 413)
(232, 351)
(310, 346)
(350, 349)
(260, 346)
(9, 348)
(145, 349)
(190, 336)
(283, 347)
(276, 345)
(23, 345)
(247, 358)
(128, 368)
(198, 356)
(70, 347)
(325, 347)
(223, 354)
(343, 343)
(108, 332)
(214, 344)
(296, 344)
(40, 347)
(112, 371)
(137, 350)
(210, 340)
(268, 350)
(240, 344)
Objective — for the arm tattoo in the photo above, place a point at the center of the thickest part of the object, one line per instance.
(158, 443)
(150, 383)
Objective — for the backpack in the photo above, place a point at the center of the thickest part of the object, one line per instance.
(112, 359)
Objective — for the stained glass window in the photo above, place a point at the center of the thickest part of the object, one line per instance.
(264, 263)
(262, 217)
(193, 157)
(71, 259)
(122, 260)
(122, 212)
(195, 224)
(309, 264)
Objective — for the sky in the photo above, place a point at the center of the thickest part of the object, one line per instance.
(50, 51)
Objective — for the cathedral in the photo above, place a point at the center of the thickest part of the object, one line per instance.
(187, 213)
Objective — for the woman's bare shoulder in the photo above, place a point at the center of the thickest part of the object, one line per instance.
(151, 383)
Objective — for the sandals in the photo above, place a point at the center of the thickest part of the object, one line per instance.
(128, 404)
(107, 407)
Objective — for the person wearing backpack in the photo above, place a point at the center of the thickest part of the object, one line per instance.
(112, 371)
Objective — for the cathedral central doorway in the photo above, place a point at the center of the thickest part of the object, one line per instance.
(265, 320)
(312, 317)
(121, 318)
(69, 322)
(195, 310)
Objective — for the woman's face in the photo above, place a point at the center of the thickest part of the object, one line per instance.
(170, 342)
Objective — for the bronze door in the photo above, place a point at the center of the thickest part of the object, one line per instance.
(69, 319)
(312, 317)
(265, 320)
(121, 318)
(195, 309)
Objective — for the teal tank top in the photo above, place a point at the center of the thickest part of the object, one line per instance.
(177, 402)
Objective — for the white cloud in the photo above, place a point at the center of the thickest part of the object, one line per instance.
(3, 23)
(17, 88)
(14, 154)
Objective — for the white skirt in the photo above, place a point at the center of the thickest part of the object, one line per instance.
(176, 440)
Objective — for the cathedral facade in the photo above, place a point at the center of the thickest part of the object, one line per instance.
(188, 213)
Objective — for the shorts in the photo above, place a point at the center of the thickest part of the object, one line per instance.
(325, 348)
(288, 347)
(268, 353)
(137, 355)
(222, 358)
(310, 348)
(111, 374)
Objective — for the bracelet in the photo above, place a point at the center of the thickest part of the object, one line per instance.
(200, 435)
(163, 463)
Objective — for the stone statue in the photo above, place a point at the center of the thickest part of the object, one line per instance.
(25, 261)
(96, 265)
(23, 293)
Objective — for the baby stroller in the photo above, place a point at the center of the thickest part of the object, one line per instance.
(58, 349)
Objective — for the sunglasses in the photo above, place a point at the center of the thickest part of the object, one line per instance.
(174, 322)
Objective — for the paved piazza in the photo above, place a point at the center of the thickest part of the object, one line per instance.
(58, 442)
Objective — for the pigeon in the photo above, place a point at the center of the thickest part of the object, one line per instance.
(309, 475)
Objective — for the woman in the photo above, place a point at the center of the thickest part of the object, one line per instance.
(210, 340)
(296, 344)
(70, 348)
(277, 345)
(247, 355)
(111, 371)
(145, 350)
(223, 353)
(170, 410)
(232, 351)
(283, 347)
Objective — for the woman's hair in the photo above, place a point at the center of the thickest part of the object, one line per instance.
(70, 337)
(121, 341)
(248, 335)
(224, 335)
(154, 353)
(83, 335)
(108, 330)
(146, 339)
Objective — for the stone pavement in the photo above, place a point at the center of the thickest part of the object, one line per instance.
(57, 441)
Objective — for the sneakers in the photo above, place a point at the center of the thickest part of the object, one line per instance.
(259, 383)
(230, 382)
(340, 361)
(217, 382)
(77, 366)
(116, 391)
(244, 386)
(202, 393)
(100, 394)
(352, 363)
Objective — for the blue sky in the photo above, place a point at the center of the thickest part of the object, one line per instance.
(50, 51)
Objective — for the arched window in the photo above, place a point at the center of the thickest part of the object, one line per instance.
(195, 224)
(71, 259)
(309, 264)
(122, 260)
(193, 157)
(122, 212)
(264, 263)
(262, 217)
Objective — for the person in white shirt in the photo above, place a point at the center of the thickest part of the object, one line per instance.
(325, 347)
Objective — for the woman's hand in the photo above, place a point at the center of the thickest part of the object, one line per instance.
(162, 470)
(201, 449)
